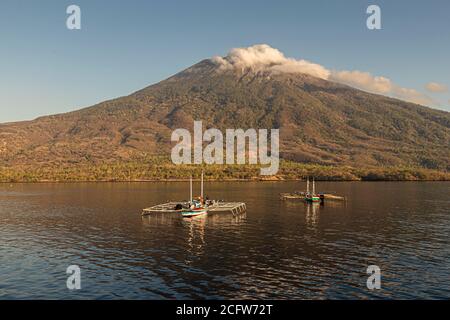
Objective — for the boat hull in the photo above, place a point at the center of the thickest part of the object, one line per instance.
(193, 213)
(312, 199)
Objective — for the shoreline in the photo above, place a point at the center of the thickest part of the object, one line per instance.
(159, 170)
(197, 180)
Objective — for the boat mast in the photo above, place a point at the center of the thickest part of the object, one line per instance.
(307, 184)
(201, 193)
(314, 187)
(190, 195)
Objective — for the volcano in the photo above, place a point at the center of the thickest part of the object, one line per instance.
(320, 122)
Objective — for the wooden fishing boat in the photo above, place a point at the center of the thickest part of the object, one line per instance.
(311, 196)
(302, 195)
(196, 207)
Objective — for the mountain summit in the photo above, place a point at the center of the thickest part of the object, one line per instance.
(320, 121)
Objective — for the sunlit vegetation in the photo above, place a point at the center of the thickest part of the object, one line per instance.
(161, 169)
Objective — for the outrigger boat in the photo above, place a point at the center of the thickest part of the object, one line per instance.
(308, 196)
(195, 207)
(311, 197)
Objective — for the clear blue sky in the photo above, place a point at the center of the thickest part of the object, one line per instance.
(126, 45)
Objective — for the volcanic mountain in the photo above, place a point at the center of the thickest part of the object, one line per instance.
(320, 122)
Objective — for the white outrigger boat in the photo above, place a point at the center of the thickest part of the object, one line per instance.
(195, 207)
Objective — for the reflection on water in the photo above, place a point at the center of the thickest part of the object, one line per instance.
(312, 214)
(195, 227)
(196, 236)
(277, 249)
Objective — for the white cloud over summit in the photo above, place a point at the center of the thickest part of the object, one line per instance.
(262, 57)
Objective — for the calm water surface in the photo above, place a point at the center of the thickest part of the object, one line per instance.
(278, 249)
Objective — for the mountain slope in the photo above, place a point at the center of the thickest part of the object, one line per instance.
(320, 122)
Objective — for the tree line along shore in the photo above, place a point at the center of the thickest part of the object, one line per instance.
(163, 170)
